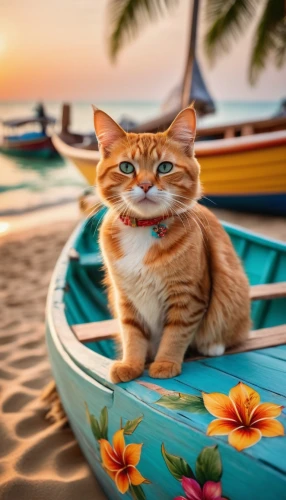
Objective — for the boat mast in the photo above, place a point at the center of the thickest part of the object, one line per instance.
(188, 75)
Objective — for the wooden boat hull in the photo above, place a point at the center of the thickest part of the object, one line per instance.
(154, 412)
(35, 145)
(243, 173)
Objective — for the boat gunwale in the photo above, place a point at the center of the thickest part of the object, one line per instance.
(69, 150)
(216, 147)
(65, 355)
(241, 144)
(81, 355)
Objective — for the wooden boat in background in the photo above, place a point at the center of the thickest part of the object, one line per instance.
(27, 137)
(170, 418)
(243, 165)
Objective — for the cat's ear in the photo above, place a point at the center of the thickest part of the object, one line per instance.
(183, 129)
(107, 130)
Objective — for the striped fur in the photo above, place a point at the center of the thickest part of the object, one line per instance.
(186, 289)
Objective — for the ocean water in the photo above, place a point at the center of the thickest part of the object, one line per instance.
(27, 185)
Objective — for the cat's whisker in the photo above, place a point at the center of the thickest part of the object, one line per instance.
(191, 214)
(90, 217)
(93, 210)
(99, 222)
(91, 213)
(179, 214)
(113, 196)
(206, 198)
(205, 219)
(182, 205)
(115, 206)
(125, 211)
(180, 196)
(188, 206)
(91, 207)
(197, 221)
(191, 209)
(182, 216)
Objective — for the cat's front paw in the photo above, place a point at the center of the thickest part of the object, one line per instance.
(121, 371)
(164, 369)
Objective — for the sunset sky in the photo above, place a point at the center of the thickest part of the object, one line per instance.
(56, 50)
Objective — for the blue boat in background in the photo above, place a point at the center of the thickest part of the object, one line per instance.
(28, 137)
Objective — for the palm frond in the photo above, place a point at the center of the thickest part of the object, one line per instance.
(269, 39)
(280, 56)
(227, 19)
(126, 19)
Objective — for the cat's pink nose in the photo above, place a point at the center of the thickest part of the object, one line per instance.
(145, 186)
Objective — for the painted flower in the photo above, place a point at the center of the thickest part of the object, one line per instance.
(193, 491)
(242, 417)
(120, 461)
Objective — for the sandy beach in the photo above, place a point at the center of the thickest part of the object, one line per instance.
(40, 460)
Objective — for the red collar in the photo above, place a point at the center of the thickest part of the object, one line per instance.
(133, 222)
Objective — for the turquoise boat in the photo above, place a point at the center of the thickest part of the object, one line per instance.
(215, 431)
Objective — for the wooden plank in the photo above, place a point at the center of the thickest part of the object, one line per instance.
(106, 329)
(99, 330)
(258, 339)
(265, 332)
(268, 291)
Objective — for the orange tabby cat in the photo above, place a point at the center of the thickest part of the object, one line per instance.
(174, 278)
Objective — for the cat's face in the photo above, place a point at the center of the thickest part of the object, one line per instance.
(147, 175)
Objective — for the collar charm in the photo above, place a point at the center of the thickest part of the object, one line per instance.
(159, 230)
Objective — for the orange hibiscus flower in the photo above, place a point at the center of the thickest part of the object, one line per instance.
(241, 417)
(120, 461)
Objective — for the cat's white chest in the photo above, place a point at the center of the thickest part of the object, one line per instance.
(143, 287)
(135, 243)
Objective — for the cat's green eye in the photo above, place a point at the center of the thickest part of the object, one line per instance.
(165, 167)
(126, 167)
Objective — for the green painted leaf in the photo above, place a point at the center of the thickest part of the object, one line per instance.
(103, 422)
(208, 465)
(137, 492)
(177, 465)
(186, 402)
(95, 427)
(131, 425)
